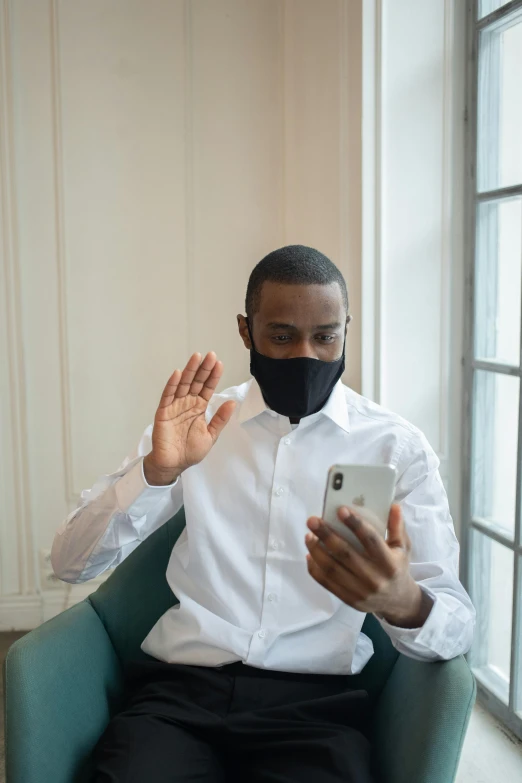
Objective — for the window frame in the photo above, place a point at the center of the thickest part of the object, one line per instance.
(511, 713)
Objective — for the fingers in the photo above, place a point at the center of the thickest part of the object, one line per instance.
(170, 389)
(187, 376)
(340, 549)
(358, 522)
(200, 377)
(397, 535)
(328, 574)
(212, 381)
(205, 371)
(353, 570)
(221, 418)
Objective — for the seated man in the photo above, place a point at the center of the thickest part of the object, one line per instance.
(248, 677)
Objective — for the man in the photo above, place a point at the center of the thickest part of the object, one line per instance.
(248, 677)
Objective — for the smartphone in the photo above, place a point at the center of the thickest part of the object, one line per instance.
(369, 489)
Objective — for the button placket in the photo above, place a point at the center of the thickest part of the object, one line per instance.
(277, 519)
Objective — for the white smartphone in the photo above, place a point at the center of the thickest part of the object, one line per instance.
(367, 488)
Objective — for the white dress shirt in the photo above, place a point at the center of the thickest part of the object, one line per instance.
(239, 568)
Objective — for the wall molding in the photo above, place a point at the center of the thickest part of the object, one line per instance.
(15, 469)
(189, 173)
(371, 194)
(344, 132)
(350, 167)
(72, 494)
(446, 207)
(282, 110)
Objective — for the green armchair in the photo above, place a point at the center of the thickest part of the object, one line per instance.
(64, 681)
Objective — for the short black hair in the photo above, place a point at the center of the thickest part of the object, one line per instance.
(293, 265)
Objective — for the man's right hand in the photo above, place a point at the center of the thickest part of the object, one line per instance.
(181, 436)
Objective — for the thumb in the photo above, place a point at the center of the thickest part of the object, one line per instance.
(220, 419)
(397, 535)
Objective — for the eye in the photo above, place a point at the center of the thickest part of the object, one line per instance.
(281, 338)
(327, 338)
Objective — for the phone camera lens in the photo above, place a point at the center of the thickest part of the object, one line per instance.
(338, 481)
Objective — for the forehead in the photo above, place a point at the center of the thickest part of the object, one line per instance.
(303, 304)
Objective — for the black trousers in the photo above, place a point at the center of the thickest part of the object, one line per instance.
(235, 724)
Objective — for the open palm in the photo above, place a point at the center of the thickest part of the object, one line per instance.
(181, 436)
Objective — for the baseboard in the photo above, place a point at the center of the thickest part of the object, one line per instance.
(20, 612)
(25, 612)
(56, 601)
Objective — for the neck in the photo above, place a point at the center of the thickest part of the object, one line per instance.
(295, 421)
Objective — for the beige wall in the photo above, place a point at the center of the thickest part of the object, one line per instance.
(151, 153)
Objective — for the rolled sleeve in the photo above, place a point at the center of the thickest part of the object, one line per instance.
(446, 633)
(434, 559)
(135, 496)
(119, 511)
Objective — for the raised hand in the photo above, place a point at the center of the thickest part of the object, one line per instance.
(181, 436)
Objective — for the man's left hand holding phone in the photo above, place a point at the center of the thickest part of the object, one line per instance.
(376, 579)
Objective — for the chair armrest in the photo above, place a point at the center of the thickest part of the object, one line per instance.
(421, 720)
(62, 682)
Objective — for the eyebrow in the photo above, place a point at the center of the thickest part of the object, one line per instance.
(279, 325)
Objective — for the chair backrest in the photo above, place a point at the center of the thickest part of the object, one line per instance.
(136, 595)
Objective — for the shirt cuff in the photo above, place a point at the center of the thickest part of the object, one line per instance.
(135, 495)
(428, 636)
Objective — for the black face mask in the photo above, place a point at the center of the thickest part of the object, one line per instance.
(295, 387)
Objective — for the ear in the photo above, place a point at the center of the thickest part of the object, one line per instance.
(243, 331)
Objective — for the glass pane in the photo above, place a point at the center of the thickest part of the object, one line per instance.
(492, 594)
(494, 452)
(500, 107)
(518, 696)
(487, 6)
(498, 283)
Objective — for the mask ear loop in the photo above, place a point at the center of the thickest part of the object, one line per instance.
(250, 333)
(344, 344)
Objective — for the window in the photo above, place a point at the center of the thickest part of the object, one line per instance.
(492, 543)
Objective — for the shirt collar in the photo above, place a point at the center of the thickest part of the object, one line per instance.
(335, 407)
(253, 403)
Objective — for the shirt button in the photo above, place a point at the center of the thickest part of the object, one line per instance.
(271, 596)
(273, 544)
(279, 492)
(287, 441)
(261, 633)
